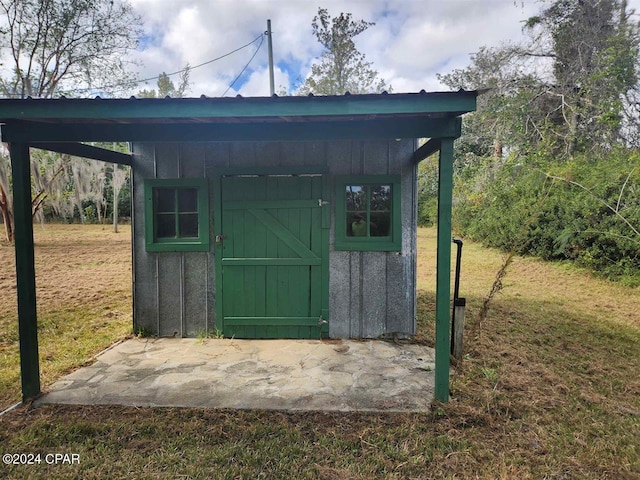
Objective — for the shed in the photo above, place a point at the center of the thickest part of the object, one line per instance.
(269, 217)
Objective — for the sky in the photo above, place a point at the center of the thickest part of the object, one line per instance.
(411, 42)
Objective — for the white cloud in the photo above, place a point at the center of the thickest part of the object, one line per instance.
(412, 40)
(258, 83)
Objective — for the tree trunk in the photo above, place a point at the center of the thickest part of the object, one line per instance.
(573, 134)
(98, 212)
(79, 205)
(7, 218)
(115, 210)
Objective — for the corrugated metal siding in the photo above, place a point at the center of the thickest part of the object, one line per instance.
(145, 286)
(173, 293)
(370, 293)
(380, 285)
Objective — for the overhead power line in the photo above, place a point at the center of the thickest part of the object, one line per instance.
(245, 67)
(135, 82)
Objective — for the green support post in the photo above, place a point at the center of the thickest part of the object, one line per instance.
(25, 270)
(443, 269)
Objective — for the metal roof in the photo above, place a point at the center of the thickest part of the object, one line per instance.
(238, 118)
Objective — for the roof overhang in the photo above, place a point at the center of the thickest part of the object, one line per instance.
(405, 115)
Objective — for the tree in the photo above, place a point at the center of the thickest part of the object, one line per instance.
(506, 83)
(593, 50)
(563, 90)
(65, 47)
(6, 204)
(118, 179)
(60, 46)
(50, 181)
(563, 103)
(341, 67)
(166, 87)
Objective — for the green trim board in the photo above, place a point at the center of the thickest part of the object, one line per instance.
(443, 270)
(86, 151)
(269, 204)
(365, 240)
(156, 242)
(272, 261)
(281, 321)
(426, 150)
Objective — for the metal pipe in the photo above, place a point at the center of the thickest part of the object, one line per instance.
(456, 290)
(456, 286)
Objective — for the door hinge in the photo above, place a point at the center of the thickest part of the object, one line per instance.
(321, 321)
(321, 202)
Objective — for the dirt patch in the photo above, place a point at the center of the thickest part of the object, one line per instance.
(74, 263)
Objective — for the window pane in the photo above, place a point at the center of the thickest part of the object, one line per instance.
(356, 197)
(166, 225)
(380, 197)
(380, 224)
(187, 200)
(165, 200)
(188, 225)
(357, 224)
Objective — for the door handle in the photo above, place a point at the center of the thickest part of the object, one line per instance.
(219, 239)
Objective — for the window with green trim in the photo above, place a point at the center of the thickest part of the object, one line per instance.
(368, 213)
(176, 215)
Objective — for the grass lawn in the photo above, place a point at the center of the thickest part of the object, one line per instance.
(83, 282)
(549, 388)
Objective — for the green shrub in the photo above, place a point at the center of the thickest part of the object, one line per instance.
(586, 210)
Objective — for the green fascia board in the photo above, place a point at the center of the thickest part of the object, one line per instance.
(133, 109)
(343, 129)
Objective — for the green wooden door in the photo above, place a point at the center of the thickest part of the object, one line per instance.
(273, 253)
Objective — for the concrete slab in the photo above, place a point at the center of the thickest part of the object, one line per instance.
(338, 375)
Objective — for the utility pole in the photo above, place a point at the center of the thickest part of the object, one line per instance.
(270, 45)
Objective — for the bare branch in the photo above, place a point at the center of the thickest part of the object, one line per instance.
(622, 189)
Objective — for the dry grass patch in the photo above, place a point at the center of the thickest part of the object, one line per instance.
(549, 387)
(83, 282)
(574, 290)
